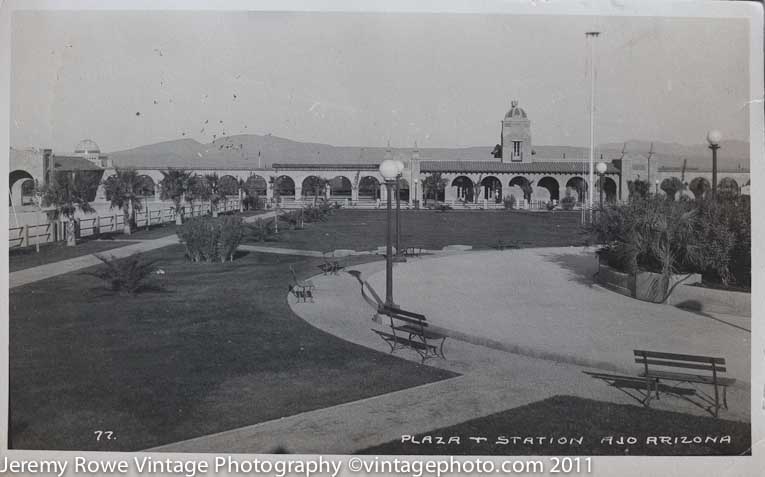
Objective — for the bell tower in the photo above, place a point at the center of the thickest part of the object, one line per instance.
(516, 135)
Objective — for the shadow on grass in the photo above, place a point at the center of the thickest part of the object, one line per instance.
(584, 427)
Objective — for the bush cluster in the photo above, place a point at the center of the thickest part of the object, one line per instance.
(568, 202)
(261, 230)
(509, 202)
(209, 239)
(708, 236)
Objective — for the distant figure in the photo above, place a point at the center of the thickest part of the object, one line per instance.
(377, 202)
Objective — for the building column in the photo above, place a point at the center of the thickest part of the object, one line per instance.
(354, 194)
(450, 192)
(298, 191)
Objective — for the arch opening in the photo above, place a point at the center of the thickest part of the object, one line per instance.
(340, 187)
(464, 188)
(492, 188)
(369, 188)
(552, 186)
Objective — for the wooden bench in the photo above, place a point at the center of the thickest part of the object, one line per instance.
(330, 265)
(413, 251)
(410, 330)
(708, 372)
(502, 245)
(302, 290)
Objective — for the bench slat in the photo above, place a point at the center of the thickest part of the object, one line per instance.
(420, 332)
(398, 311)
(408, 320)
(681, 364)
(683, 357)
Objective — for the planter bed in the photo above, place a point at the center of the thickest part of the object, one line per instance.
(643, 285)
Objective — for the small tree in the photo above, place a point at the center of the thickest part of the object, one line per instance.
(671, 186)
(68, 192)
(638, 189)
(527, 189)
(209, 187)
(316, 184)
(433, 184)
(176, 183)
(124, 190)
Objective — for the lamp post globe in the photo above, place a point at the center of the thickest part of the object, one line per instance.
(601, 168)
(714, 137)
(388, 169)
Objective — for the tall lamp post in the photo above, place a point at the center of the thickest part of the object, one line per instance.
(399, 256)
(601, 168)
(389, 171)
(713, 138)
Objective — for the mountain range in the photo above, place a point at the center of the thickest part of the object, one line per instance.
(256, 151)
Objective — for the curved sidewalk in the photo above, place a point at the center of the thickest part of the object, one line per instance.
(544, 302)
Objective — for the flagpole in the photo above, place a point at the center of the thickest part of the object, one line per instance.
(591, 35)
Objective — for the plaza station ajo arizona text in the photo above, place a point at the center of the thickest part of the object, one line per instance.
(477, 177)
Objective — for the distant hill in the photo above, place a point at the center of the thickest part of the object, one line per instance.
(253, 150)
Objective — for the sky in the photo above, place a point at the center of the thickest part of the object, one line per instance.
(126, 79)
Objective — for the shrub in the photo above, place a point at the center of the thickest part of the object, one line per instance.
(131, 275)
(260, 231)
(709, 236)
(550, 205)
(443, 207)
(509, 202)
(568, 202)
(210, 239)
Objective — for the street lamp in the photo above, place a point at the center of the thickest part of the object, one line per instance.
(389, 171)
(601, 167)
(400, 168)
(713, 138)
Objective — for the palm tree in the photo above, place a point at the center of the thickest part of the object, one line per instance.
(208, 187)
(124, 190)
(317, 184)
(67, 193)
(176, 183)
(434, 184)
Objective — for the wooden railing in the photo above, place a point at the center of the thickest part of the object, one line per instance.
(53, 231)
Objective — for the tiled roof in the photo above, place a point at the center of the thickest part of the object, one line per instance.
(68, 163)
(319, 167)
(511, 167)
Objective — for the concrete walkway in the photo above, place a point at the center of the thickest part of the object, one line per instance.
(544, 302)
(491, 381)
(33, 274)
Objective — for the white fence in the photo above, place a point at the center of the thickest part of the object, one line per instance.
(53, 231)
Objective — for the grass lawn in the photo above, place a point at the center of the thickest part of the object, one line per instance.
(218, 349)
(572, 418)
(27, 257)
(365, 229)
